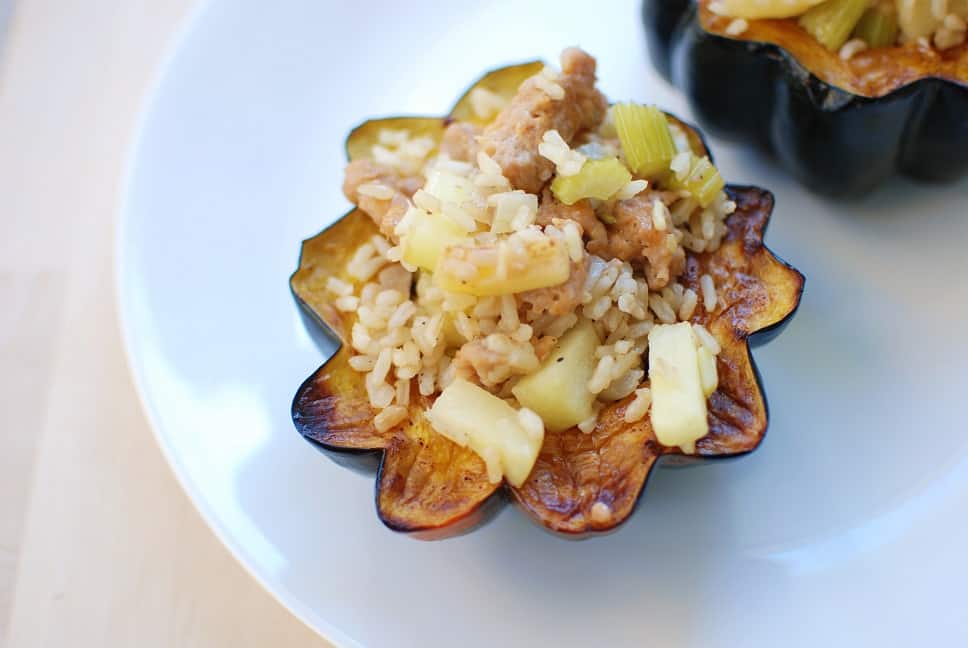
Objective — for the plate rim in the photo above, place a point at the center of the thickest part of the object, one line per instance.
(131, 346)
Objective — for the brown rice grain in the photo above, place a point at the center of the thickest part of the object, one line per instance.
(588, 425)
(660, 215)
(639, 406)
(623, 385)
(425, 381)
(339, 287)
(523, 333)
(709, 296)
(426, 201)
(376, 190)
(402, 315)
(601, 513)
(707, 339)
(737, 27)
(362, 362)
(602, 375)
(403, 392)
(382, 366)
(662, 309)
(390, 417)
(688, 306)
(380, 394)
(509, 314)
(347, 304)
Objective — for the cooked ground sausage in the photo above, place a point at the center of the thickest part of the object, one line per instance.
(513, 138)
(385, 213)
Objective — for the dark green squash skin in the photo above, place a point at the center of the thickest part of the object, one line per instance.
(832, 141)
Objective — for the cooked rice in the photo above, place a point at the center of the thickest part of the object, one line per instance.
(339, 287)
(709, 296)
(376, 190)
(588, 425)
(412, 337)
(852, 47)
(946, 38)
(639, 406)
(680, 164)
(601, 513)
(737, 27)
(554, 148)
(513, 211)
(391, 416)
(688, 305)
(955, 23)
(661, 216)
(632, 189)
(485, 103)
(547, 81)
(347, 304)
(402, 153)
(706, 338)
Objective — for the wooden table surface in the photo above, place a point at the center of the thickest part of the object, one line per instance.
(99, 546)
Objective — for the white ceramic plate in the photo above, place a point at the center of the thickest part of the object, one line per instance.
(846, 528)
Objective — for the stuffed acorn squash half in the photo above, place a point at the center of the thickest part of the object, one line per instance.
(539, 295)
(845, 93)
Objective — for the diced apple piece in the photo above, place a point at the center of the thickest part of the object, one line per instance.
(558, 391)
(426, 237)
(599, 179)
(678, 402)
(481, 270)
(473, 417)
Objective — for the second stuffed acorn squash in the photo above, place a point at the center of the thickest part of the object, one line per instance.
(840, 124)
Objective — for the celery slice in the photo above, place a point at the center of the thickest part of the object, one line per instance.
(832, 22)
(703, 181)
(877, 27)
(645, 137)
(599, 179)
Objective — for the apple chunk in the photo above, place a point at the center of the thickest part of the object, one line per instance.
(678, 399)
(558, 391)
(473, 417)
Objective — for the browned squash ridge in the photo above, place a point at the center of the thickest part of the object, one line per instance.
(872, 73)
(432, 488)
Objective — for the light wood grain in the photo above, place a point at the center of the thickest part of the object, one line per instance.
(98, 544)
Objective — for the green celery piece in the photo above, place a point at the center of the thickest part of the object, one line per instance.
(599, 179)
(703, 181)
(832, 22)
(645, 137)
(877, 27)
